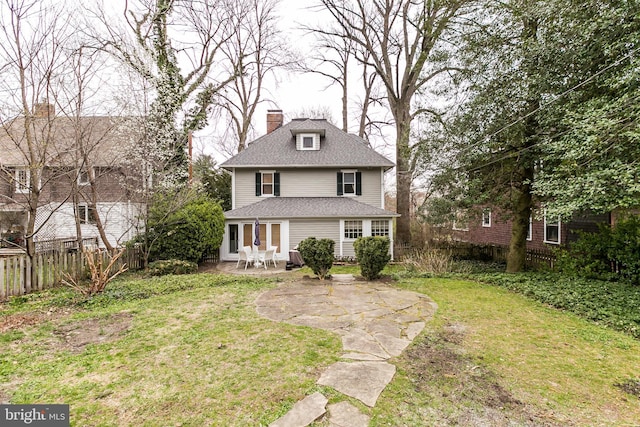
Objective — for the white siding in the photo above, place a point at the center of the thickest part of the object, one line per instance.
(319, 228)
(119, 221)
(308, 183)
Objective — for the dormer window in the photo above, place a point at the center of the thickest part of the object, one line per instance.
(308, 141)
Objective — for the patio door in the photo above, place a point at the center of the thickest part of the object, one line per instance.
(269, 235)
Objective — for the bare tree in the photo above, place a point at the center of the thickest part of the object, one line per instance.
(401, 38)
(331, 60)
(255, 50)
(176, 47)
(31, 47)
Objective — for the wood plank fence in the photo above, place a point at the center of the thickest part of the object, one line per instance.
(535, 258)
(20, 275)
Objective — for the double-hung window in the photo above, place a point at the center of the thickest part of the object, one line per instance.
(349, 183)
(267, 183)
(22, 180)
(552, 230)
(83, 177)
(86, 214)
(486, 217)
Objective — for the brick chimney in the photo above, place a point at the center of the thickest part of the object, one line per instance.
(44, 109)
(274, 120)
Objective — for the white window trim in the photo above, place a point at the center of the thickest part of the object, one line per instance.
(382, 221)
(85, 219)
(344, 229)
(273, 184)
(353, 171)
(484, 213)
(18, 186)
(80, 173)
(300, 141)
(530, 235)
(559, 231)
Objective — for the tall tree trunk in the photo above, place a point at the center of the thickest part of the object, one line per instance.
(524, 172)
(403, 180)
(516, 259)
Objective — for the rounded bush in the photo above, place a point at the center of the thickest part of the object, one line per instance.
(189, 233)
(317, 255)
(372, 254)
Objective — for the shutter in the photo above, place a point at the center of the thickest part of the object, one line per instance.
(258, 184)
(358, 183)
(276, 184)
(339, 183)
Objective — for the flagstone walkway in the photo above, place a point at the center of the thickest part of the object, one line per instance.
(376, 322)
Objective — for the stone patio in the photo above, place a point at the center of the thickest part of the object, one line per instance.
(376, 322)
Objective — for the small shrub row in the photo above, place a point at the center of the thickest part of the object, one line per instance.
(372, 254)
(171, 266)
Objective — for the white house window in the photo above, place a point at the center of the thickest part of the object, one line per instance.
(552, 231)
(86, 214)
(486, 218)
(83, 177)
(530, 230)
(308, 141)
(380, 228)
(267, 183)
(349, 183)
(352, 229)
(23, 180)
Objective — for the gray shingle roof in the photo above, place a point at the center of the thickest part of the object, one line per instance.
(337, 149)
(308, 207)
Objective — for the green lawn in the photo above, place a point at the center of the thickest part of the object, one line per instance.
(191, 350)
(501, 357)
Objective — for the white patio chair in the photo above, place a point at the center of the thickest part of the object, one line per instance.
(274, 257)
(268, 257)
(245, 255)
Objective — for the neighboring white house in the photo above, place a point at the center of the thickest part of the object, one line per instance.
(306, 178)
(85, 168)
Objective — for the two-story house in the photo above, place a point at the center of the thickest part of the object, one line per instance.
(306, 178)
(70, 173)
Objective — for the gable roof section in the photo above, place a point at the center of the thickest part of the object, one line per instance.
(308, 207)
(337, 149)
(107, 140)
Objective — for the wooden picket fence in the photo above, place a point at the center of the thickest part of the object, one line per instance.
(19, 275)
